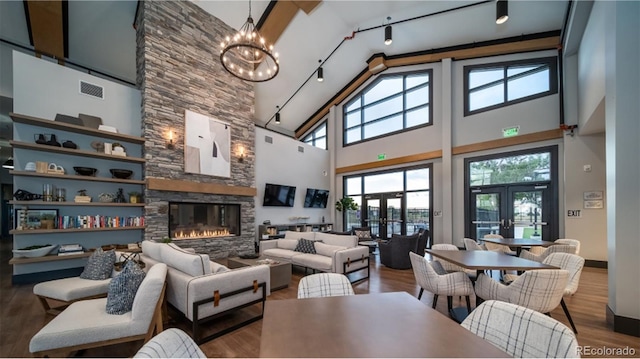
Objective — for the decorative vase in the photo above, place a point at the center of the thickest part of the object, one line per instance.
(53, 141)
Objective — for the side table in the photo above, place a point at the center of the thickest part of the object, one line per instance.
(280, 271)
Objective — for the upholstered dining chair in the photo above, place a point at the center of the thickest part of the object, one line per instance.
(498, 247)
(572, 242)
(540, 290)
(521, 332)
(450, 267)
(449, 284)
(556, 248)
(172, 343)
(324, 285)
(573, 264)
(472, 245)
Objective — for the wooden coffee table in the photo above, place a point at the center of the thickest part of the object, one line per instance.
(280, 272)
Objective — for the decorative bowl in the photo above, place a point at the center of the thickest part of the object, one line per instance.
(120, 173)
(85, 171)
(35, 252)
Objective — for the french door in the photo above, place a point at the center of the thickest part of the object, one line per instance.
(513, 211)
(384, 214)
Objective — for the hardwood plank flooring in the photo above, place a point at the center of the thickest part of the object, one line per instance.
(21, 315)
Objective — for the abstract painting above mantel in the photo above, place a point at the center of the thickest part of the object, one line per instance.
(207, 145)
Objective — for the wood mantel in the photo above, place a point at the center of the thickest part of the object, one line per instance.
(160, 184)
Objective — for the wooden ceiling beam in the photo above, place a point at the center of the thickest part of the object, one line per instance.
(281, 15)
(48, 27)
(307, 5)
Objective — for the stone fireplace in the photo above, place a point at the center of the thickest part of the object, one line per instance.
(203, 220)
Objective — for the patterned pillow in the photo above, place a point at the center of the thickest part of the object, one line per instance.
(362, 235)
(100, 265)
(305, 246)
(123, 288)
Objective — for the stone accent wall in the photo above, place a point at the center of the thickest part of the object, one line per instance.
(178, 69)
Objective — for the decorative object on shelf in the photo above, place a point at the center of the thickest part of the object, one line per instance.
(40, 139)
(247, 56)
(106, 197)
(35, 218)
(30, 167)
(98, 146)
(53, 141)
(107, 128)
(90, 121)
(85, 171)
(68, 119)
(82, 196)
(42, 167)
(22, 195)
(69, 144)
(346, 204)
(47, 192)
(126, 257)
(134, 197)
(61, 195)
(55, 169)
(34, 251)
(119, 196)
(120, 173)
(118, 150)
(299, 219)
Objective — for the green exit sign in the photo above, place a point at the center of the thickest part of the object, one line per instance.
(382, 156)
(510, 131)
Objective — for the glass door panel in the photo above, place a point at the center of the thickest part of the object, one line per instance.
(529, 213)
(393, 216)
(486, 212)
(384, 214)
(372, 215)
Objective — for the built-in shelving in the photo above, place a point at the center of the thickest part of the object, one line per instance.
(53, 257)
(74, 152)
(66, 230)
(87, 204)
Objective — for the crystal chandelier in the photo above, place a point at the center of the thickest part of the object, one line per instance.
(247, 56)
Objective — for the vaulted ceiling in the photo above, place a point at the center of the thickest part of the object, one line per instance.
(100, 36)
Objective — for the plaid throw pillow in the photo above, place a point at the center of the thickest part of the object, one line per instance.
(305, 246)
(100, 265)
(363, 234)
(123, 289)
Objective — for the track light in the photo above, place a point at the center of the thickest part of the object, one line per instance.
(387, 33)
(320, 73)
(502, 11)
(278, 115)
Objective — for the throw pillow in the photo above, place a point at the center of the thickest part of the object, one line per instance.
(363, 235)
(305, 246)
(123, 289)
(100, 265)
(326, 249)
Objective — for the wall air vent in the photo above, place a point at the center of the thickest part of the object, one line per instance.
(268, 139)
(301, 149)
(92, 90)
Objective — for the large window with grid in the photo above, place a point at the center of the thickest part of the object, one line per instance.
(491, 86)
(391, 104)
(317, 137)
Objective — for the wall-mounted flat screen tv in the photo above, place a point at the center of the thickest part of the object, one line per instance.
(279, 195)
(316, 198)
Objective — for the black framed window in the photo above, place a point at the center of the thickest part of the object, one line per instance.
(392, 104)
(491, 86)
(317, 137)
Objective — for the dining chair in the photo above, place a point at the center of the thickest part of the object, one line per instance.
(498, 247)
(450, 267)
(556, 248)
(171, 343)
(573, 264)
(472, 245)
(324, 285)
(573, 242)
(449, 284)
(521, 332)
(540, 290)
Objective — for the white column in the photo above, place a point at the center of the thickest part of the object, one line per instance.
(447, 167)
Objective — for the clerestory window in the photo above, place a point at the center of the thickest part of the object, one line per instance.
(317, 137)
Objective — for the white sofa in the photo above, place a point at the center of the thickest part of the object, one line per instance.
(334, 253)
(203, 290)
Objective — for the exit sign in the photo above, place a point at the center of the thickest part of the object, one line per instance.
(510, 131)
(382, 156)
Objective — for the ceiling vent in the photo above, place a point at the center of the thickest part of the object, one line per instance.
(92, 90)
(268, 139)
(301, 149)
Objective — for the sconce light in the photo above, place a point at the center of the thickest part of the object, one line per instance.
(170, 144)
(241, 157)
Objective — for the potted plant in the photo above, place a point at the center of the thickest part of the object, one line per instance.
(265, 234)
(346, 204)
(134, 197)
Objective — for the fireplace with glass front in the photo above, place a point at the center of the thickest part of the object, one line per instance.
(190, 220)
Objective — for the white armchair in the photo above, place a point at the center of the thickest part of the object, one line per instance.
(521, 332)
(556, 248)
(86, 324)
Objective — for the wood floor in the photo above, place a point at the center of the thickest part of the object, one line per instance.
(21, 315)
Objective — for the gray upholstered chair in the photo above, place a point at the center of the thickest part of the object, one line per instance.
(556, 248)
(521, 332)
(449, 284)
(172, 343)
(540, 290)
(394, 253)
(324, 285)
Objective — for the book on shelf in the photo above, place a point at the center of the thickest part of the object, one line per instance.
(70, 248)
(70, 253)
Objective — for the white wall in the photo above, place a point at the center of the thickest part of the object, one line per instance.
(281, 163)
(43, 89)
